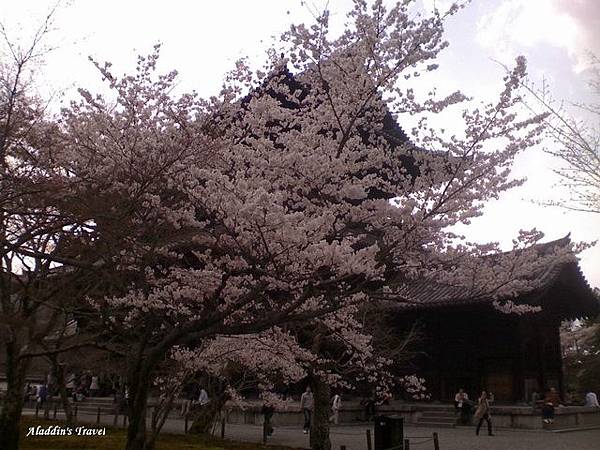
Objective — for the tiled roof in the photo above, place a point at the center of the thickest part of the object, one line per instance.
(562, 284)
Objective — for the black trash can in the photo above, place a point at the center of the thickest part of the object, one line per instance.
(389, 432)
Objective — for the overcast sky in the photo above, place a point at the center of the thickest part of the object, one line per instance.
(202, 39)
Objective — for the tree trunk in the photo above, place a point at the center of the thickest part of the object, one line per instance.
(59, 376)
(12, 405)
(138, 385)
(204, 416)
(319, 429)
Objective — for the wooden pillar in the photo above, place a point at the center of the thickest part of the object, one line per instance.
(558, 355)
(438, 343)
(539, 339)
(520, 361)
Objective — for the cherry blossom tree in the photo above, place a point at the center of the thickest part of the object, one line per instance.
(290, 200)
(313, 136)
(314, 192)
(175, 253)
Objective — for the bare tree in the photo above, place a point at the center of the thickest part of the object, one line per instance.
(36, 293)
(576, 142)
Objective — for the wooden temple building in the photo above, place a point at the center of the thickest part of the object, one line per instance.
(468, 343)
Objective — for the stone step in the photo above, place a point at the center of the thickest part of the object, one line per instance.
(434, 424)
(438, 414)
(437, 419)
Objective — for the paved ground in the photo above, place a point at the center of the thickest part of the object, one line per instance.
(354, 437)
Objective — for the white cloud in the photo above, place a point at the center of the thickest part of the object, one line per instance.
(515, 25)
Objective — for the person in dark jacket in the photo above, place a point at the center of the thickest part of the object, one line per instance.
(267, 411)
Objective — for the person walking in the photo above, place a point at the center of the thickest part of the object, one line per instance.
(267, 411)
(483, 412)
(336, 404)
(42, 397)
(42, 394)
(307, 403)
(189, 394)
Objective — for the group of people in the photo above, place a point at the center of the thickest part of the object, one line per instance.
(548, 405)
(39, 393)
(464, 406)
(551, 400)
(307, 404)
(77, 389)
(86, 385)
(480, 410)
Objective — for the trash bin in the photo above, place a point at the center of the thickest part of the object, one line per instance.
(389, 432)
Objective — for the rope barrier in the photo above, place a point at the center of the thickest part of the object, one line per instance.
(421, 442)
(346, 433)
(401, 447)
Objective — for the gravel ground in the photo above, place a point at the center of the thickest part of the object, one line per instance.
(463, 438)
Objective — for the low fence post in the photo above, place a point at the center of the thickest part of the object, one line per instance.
(436, 442)
(98, 417)
(54, 412)
(369, 442)
(186, 423)
(116, 419)
(37, 409)
(406, 444)
(223, 428)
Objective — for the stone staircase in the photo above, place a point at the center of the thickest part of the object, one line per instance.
(439, 418)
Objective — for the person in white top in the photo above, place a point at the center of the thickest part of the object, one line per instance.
(591, 400)
(203, 398)
(460, 397)
(336, 404)
(94, 386)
